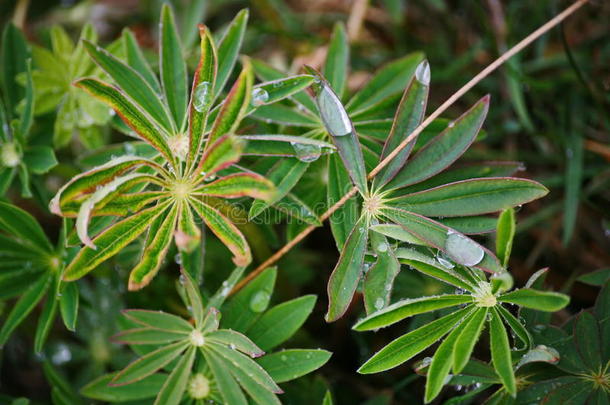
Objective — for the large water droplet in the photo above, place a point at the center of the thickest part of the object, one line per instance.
(306, 152)
(259, 97)
(202, 96)
(259, 301)
(333, 114)
(382, 247)
(463, 250)
(422, 73)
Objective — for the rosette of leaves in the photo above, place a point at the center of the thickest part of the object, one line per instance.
(481, 302)
(413, 199)
(206, 359)
(31, 268)
(19, 154)
(167, 192)
(54, 71)
(370, 109)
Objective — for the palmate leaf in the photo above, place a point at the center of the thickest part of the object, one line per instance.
(228, 49)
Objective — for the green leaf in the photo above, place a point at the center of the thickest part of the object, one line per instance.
(573, 179)
(285, 174)
(435, 270)
(409, 115)
(408, 307)
(24, 306)
(225, 230)
(341, 129)
(500, 353)
(284, 115)
(68, 304)
(228, 387)
(277, 90)
(596, 278)
(301, 147)
(46, 319)
(172, 67)
(346, 274)
(441, 362)
(159, 320)
(471, 225)
(14, 55)
(343, 220)
(220, 155)
(218, 299)
(337, 59)
(24, 227)
(39, 159)
(471, 197)
(328, 399)
(469, 334)
(234, 106)
(457, 246)
(155, 250)
(279, 323)
(534, 299)
(228, 49)
(148, 364)
(243, 309)
(240, 185)
(202, 92)
(504, 235)
(101, 389)
(111, 241)
(235, 340)
(133, 85)
(129, 112)
(379, 280)
(588, 341)
(137, 61)
(148, 336)
(386, 85)
(405, 347)
(173, 389)
(194, 298)
(287, 365)
(444, 149)
(27, 113)
(517, 327)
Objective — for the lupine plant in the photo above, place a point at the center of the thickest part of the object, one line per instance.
(209, 153)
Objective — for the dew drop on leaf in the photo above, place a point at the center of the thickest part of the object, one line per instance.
(382, 247)
(422, 73)
(306, 152)
(379, 303)
(332, 112)
(202, 96)
(259, 301)
(259, 97)
(463, 250)
(178, 260)
(444, 261)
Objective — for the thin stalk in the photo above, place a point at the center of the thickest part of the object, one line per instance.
(463, 90)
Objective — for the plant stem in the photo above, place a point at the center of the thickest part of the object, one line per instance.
(463, 90)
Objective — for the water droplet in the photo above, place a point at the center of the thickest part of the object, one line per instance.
(333, 113)
(283, 357)
(388, 287)
(444, 261)
(259, 97)
(422, 73)
(61, 355)
(450, 124)
(306, 152)
(379, 302)
(382, 247)
(129, 148)
(178, 260)
(259, 301)
(232, 346)
(463, 250)
(202, 96)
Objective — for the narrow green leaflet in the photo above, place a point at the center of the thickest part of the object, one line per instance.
(337, 59)
(147, 336)
(172, 391)
(535, 299)
(408, 307)
(159, 320)
(225, 230)
(14, 54)
(271, 92)
(237, 340)
(24, 306)
(505, 234)
(149, 364)
(47, 317)
(287, 365)
(240, 185)
(344, 278)
(467, 338)
(68, 304)
(341, 129)
(137, 61)
(101, 390)
(110, 242)
(518, 328)
(172, 67)
(379, 279)
(228, 387)
(132, 83)
(228, 49)
(344, 219)
(129, 112)
(409, 115)
(220, 155)
(471, 197)
(22, 225)
(405, 347)
(279, 323)
(444, 149)
(500, 353)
